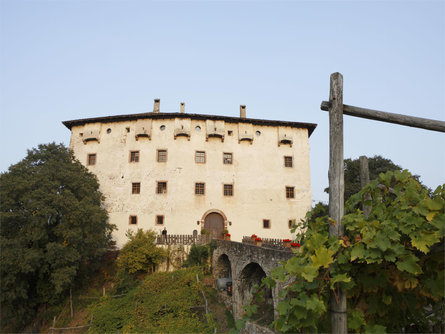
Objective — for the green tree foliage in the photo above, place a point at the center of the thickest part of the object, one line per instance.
(52, 227)
(198, 256)
(376, 165)
(390, 263)
(168, 302)
(140, 254)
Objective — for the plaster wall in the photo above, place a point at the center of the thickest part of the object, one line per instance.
(258, 176)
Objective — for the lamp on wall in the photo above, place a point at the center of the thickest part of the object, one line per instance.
(197, 222)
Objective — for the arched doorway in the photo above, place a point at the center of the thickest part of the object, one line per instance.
(214, 223)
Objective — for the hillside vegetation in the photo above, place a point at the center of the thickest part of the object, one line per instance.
(169, 302)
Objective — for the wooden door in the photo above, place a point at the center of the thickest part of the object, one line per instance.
(214, 223)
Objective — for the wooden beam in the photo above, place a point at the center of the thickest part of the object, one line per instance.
(376, 115)
(336, 191)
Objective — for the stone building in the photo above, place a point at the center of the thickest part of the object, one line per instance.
(188, 172)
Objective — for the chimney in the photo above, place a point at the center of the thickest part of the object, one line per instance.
(156, 105)
(242, 111)
(182, 107)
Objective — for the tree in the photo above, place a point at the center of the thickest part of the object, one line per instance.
(377, 165)
(140, 253)
(52, 226)
(390, 263)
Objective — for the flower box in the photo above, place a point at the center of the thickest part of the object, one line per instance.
(286, 243)
(295, 245)
(253, 237)
(258, 242)
(227, 236)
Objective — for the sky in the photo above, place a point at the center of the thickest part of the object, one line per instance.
(64, 60)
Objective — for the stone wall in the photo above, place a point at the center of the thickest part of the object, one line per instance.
(248, 265)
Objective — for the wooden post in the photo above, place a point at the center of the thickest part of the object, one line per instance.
(71, 304)
(382, 116)
(364, 180)
(336, 190)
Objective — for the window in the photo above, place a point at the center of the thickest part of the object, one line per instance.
(161, 187)
(134, 156)
(199, 188)
(162, 155)
(200, 157)
(128, 130)
(230, 132)
(108, 130)
(290, 223)
(133, 220)
(288, 162)
(162, 127)
(228, 190)
(136, 188)
(227, 158)
(290, 192)
(266, 223)
(159, 220)
(91, 160)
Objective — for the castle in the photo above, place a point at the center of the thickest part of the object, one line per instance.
(188, 172)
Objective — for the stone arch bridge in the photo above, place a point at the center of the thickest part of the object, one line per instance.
(247, 265)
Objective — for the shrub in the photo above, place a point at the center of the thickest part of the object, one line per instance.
(140, 254)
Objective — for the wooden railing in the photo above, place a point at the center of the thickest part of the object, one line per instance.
(183, 239)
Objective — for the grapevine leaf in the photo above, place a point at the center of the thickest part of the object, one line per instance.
(339, 278)
(423, 240)
(409, 265)
(375, 329)
(356, 320)
(309, 273)
(358, 252)
(322, 257)
(382, 242)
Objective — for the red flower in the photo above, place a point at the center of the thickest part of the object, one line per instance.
(295, 244)
(258, 239)
(253, 236)
(228, 234)
(286, 240)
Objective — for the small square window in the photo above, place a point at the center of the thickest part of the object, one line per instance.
(288, 162)
(266, 223)
(290, 192)
(162, 156)
(290, 223)
(91, 160)
(199, 188)
(161, 187)
(159, 220)
(230, 132)
(227, 158)
(228, 190)
(134, 156)
(133, 220)
(200, 157)
(135, 188)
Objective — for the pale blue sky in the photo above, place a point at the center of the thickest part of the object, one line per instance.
(63, 60)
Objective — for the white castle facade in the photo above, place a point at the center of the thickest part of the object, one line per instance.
(188, 172)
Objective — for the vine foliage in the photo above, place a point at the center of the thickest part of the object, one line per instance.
(391, 263)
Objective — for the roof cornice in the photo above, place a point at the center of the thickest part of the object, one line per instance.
(150, 115)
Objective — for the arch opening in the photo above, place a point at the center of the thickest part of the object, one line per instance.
(252, 293)
(223, 268)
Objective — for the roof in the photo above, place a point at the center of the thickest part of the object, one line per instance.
(131, 117)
